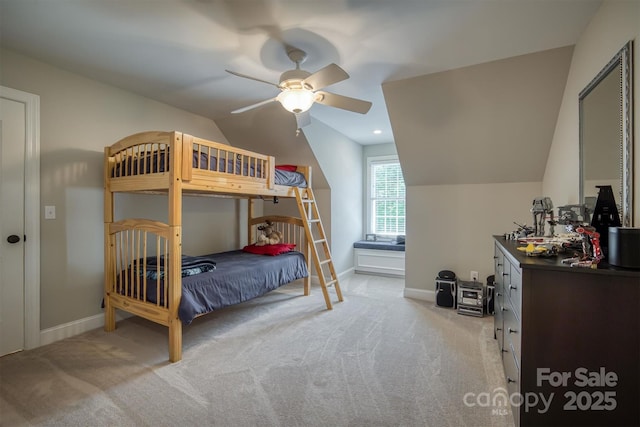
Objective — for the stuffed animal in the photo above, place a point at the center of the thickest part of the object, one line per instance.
(269, 236)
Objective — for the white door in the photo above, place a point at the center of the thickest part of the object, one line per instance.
(12, 157)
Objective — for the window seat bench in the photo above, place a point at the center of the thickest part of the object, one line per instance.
(384, 258)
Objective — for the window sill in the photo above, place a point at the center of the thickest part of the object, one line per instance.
(379, 246)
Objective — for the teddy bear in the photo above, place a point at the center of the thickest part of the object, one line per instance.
(269, 235)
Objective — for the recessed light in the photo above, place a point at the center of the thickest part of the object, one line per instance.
(377, 131)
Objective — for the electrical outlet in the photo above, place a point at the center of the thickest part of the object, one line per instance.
(474, 276)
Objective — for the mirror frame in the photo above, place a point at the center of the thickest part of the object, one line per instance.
(624, 60)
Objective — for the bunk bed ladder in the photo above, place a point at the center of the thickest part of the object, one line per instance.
(316, 237)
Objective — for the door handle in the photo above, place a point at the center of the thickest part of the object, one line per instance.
(13, 239)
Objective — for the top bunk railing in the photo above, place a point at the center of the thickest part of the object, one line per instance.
(147, 160)
(213, 156)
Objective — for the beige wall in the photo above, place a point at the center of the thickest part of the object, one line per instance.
(615, 23)
(452, 227)
(78, 118)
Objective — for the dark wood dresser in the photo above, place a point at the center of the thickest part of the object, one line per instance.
(570, 340)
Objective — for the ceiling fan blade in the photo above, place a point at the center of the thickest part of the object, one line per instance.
(324, 77)
(251, 107)
(252, 78)
(303, 119)
(344, 102)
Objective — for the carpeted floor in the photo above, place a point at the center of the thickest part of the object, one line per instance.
(377, 359)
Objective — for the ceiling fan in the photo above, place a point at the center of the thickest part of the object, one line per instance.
(300, 89)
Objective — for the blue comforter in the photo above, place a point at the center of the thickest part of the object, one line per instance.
(238, 276)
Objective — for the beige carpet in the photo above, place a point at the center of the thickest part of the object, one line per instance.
(377, 359)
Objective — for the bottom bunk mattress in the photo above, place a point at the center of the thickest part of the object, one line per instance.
(238, 276)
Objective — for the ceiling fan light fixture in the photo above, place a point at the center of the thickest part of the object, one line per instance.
(300, 89)
(296, 100)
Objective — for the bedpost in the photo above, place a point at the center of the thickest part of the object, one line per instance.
(109, 310)
(306, 171)
(187, 147)
(175, 247)
(249, 218)
(271, 173)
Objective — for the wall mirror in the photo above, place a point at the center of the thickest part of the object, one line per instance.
(606, 139)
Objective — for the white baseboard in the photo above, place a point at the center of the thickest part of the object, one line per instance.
(420, 294)
(315, 280)
(348, 272)
(67, 330)
(374, 273)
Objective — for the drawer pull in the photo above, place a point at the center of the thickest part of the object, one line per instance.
(499, 265)
(505, 351)
(505, 274)
(509, 380)
(498, 294)
(511, 331)
(513, 287)
(495, 257)
(503, 309)
(498, 329)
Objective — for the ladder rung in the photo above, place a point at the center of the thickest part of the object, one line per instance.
(313, 220)
(307, 200)
(315, 242)
(326, 261)
(330, 283)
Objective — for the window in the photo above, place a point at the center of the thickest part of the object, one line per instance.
(386, 197)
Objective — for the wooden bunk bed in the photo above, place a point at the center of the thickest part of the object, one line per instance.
(145, 269)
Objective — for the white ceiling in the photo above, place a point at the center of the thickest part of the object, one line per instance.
(176, 51)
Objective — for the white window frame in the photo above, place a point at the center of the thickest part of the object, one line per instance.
(369, 214)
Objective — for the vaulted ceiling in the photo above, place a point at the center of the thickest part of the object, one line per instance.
(177, 51)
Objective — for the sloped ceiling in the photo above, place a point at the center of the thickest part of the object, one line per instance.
(272, 130)
(176, 52)
(486, 123)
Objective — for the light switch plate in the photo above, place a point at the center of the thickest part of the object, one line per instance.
(49, 212)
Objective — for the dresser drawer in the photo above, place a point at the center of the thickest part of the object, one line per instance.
(512, 374)
(513, 288)
(511, 329)
(498, 323)
(498, 261)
